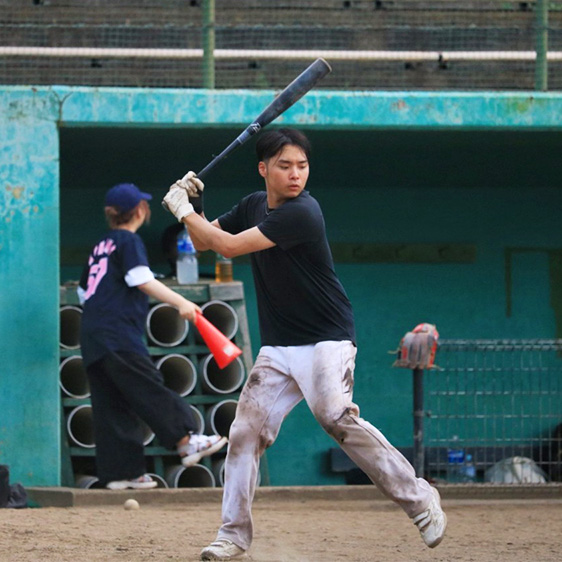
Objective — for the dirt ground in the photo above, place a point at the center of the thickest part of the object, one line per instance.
(286, 531)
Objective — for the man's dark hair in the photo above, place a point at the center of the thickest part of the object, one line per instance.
(272, 142)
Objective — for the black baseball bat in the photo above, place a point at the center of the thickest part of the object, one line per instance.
(302, 84)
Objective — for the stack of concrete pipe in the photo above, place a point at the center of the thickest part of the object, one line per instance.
(189, 374)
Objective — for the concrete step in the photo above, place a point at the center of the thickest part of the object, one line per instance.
(75, 497)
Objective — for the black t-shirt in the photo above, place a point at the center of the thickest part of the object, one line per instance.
(114, 314)
(300, 299)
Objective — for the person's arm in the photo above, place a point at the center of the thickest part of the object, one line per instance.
(207, 235)
(197, 242)
(160, 292)
(211, 237)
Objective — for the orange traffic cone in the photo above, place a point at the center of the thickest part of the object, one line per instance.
(223, 350)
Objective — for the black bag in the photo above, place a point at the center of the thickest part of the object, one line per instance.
(13, 496)
(4, 485)
(18, 496)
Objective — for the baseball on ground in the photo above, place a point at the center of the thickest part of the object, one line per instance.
(131, 504)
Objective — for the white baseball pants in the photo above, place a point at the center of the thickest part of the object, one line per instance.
(322, 374)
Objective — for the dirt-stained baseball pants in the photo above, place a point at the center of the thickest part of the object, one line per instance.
(322, 374)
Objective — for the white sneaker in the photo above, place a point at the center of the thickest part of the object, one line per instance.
(200, 446)
(143, 482)
(222, 549)
(432, 522)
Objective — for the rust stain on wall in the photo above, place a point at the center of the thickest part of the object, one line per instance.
(17, 192)
(17, 199)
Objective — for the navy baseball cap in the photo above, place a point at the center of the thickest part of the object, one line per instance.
(125, 196)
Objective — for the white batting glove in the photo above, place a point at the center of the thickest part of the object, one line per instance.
(192, 184)
(178, 203)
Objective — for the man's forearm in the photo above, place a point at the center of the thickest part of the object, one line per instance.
(200, 246)
(205, 235)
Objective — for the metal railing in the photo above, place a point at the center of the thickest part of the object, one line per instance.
(490, 412)
(394, 44)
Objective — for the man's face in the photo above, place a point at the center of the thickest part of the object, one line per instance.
(285, 174)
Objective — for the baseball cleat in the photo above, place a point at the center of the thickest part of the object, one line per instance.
(200, 446)
(432, 522)
(143, 482)
(222, 549)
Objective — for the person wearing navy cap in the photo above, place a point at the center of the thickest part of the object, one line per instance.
(125, 386)
(125, 197)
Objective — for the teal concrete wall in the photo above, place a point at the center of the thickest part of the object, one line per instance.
(29, 280)
(400, 176)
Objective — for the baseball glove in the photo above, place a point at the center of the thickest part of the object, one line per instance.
(418, 348)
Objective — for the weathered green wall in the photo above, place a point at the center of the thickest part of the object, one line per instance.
(426, 197)
(29, 281)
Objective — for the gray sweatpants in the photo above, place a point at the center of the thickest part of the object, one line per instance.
(322, 374)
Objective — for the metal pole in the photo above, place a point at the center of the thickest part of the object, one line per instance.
(541, 65)
(419, 453)
(209, 44)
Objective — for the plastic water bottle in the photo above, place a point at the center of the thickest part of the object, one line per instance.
(455, 461)
(187, 266)
(469, 469)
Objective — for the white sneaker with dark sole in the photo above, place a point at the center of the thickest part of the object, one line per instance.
(143, 482)
(200, 446)
(432, 522)
(222, 549)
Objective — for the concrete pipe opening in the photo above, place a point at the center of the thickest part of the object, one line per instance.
(218, 471)
(70, 320)
(197, 476)
(179, 372)
(220, 416)
(165, 327)
(87, 482)
(200, 420)
(72, 377)
(215, 380)
(158, 479)
(222, 316)
(80, 427)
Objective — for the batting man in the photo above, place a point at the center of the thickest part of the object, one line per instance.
(307, 340)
